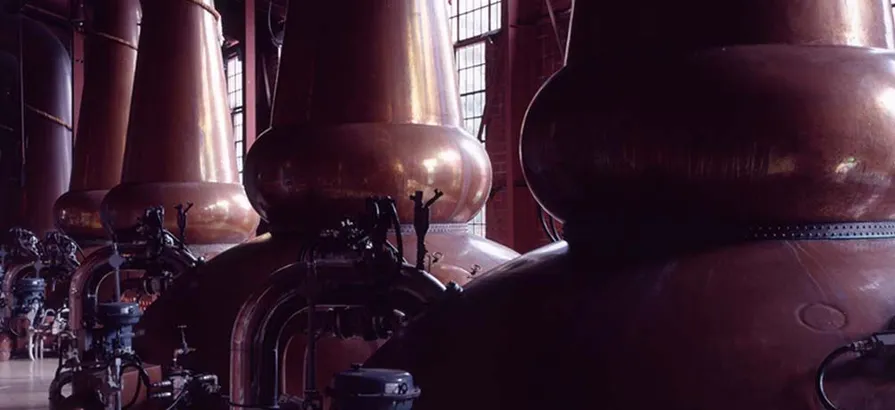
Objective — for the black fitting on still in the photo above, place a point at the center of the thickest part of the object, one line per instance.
(117, 331)
(373, 389)
(421, 224)
(29, 295)
(875, 344)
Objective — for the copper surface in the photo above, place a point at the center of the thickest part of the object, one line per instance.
(180, 119)
(739, 327)
(368, 111)
(48, 101)
(273, 317)
(767, 134)
(383, 119)
(649, 157)
(94, 273)
(110, 57)
(209, 302)
(625, 29)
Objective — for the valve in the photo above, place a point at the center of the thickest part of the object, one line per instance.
(184, 347)
(181, 221)
(421, 216)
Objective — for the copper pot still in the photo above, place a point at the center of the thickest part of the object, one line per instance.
(43, 167)
(372, 111)
(724, 172)
(179, 117)
(112, 34)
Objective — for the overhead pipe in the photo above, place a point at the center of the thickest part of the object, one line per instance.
(723, 172)
(389, 126)
(112, 33)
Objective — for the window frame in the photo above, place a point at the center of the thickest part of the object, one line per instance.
(478, 225)
(230, 53)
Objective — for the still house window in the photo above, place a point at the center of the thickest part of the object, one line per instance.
(470, 22)
(236, 99)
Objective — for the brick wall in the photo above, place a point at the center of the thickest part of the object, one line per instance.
(512, 211)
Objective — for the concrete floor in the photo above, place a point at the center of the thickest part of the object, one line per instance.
(24, 384)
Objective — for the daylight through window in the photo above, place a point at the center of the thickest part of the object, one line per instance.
(469, 20)
(237, 110)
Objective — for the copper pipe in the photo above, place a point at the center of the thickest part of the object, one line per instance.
(111, 55)
(265, 316)
(362, 112)
(180, 118)
(47, 106)
(724, 171)
(87, 279)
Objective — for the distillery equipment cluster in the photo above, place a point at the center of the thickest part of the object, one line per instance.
(722, 172)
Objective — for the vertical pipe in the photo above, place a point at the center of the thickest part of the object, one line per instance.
(251, 79)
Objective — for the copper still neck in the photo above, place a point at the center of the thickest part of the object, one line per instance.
(373, 110)
(605, 29)
(180, 145)
(387, 69)
(46, 111)
(111, 56)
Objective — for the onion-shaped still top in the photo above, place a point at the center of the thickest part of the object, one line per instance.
(751, 134)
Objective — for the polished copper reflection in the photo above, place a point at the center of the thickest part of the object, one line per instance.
(655, 159)
(47, 78)
(627, 28)
(354, 118)
(383, 119)
(179, 139)
(110, 58)
(768, 134)
(93, 281)
(210, 301)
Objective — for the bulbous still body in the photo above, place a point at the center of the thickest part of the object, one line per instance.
(727, 221)
(371, 111)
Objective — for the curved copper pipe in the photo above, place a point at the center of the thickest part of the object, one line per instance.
(85, 282)
(259, 328)
(111, 56)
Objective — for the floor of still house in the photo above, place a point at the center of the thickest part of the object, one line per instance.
(24, 384)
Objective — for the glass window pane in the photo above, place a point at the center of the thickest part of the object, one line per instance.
(469, 19)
